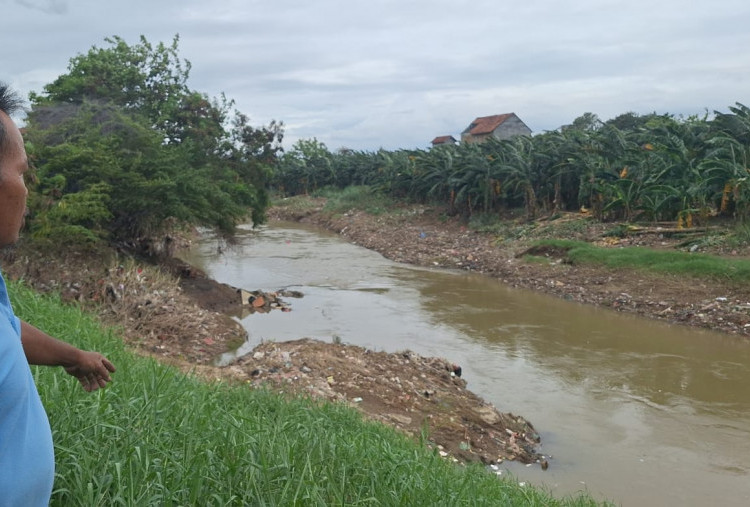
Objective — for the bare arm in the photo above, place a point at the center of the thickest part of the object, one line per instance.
(90, 368)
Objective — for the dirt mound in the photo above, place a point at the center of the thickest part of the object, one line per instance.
(413, 393)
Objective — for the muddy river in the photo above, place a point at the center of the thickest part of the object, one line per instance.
(632, 410)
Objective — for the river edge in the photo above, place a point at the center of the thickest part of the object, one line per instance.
(424, 236)
(177, 314)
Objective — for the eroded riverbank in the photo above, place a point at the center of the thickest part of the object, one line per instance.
(423, 237)
(414, 236)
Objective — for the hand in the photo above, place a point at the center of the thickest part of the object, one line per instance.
(92, 370)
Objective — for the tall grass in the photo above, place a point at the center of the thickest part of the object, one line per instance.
(662, 261)
(157, 436)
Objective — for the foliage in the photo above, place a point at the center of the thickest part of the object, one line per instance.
(306, 167)
(157, 436)
(76, 218)
(631, 168)
(125, 150)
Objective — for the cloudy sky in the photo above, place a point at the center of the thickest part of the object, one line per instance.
(397, 73)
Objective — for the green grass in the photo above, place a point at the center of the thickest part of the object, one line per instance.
(298, 203)
(157, 436)
(362, 198)
(509, 230)
(661, 261)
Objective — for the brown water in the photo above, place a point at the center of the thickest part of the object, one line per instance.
(632, 410)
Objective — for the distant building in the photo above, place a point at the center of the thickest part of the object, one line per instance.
(499, 126)
(444, 140)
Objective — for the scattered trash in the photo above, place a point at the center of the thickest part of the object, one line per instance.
(259, 301)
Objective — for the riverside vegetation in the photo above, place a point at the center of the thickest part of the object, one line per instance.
(127, 158)
(135, 443)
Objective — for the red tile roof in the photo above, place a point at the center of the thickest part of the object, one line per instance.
(444, 139)
(486, 124)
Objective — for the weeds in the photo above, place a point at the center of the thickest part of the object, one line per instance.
(741, 234)
(356, 198)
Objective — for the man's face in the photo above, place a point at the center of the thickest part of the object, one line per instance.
(13, 165)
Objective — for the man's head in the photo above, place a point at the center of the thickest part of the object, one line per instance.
(13, 165)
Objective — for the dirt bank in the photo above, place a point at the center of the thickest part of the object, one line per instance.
(424, 236)
(418, 395)
(177, 314)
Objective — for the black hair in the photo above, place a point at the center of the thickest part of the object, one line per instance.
(10, 103)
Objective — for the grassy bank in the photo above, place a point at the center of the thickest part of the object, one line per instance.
(660, 261)
(159, 437)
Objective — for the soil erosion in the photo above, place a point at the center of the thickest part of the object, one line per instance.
(177, 314)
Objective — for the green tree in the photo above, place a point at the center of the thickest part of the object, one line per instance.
(151, 80)
(727, 161)
(121, 127)
(307, 166)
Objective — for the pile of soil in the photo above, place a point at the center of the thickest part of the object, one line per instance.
(413, 393)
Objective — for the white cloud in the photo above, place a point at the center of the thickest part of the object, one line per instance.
(395, 74)
(48, 6)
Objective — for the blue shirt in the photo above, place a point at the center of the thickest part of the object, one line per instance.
(27, 460)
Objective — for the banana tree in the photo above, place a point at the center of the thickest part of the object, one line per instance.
(727, 162)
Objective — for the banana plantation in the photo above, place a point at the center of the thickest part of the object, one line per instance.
(631, 168)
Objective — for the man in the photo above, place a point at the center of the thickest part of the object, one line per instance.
(27, 462)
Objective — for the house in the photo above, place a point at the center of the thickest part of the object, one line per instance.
(499, 126)
(444, 140)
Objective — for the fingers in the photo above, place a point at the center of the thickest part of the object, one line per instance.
(108, 365)
(92, 382)
(102, 374)
(92, 371)
(87, 384)
(100, 369)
